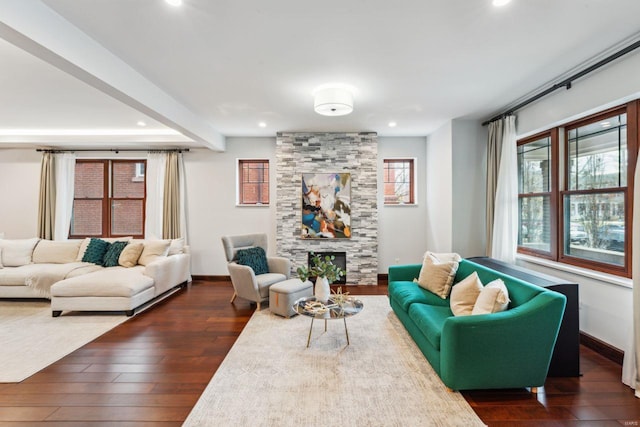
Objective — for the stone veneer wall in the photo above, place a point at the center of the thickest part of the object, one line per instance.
(356, 153)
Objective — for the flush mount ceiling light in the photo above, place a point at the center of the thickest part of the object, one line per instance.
(174, 2)
(333, 101)
(499, 3)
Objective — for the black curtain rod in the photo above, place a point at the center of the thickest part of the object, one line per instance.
(114, 150)
(566, 82)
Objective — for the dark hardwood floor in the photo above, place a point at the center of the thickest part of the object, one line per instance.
(151, 370)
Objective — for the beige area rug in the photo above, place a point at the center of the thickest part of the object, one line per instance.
(270, 378)
(30, 339)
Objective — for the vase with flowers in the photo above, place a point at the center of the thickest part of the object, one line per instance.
(325, 272)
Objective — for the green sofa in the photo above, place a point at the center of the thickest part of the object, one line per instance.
(510, 349)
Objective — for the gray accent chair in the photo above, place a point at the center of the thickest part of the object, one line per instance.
(246, 284)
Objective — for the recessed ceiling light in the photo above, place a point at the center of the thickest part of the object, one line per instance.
(262, 124)
(174, 2)
(500, 2)
(606, 124)
(141, 123)
(392, 124)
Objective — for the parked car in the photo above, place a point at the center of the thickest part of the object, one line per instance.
(577, 235)
(613, 239)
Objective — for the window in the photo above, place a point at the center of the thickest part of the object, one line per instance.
(109, 198)
(399, 178)
(535, 194)
(253, 182)
(574, 196)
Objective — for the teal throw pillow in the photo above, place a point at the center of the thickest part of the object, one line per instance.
(112, 255)
(95, 251)
(255, 258)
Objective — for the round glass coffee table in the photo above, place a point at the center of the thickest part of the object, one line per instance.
(329, 310)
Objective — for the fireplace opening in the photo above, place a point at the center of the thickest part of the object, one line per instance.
(340, 260)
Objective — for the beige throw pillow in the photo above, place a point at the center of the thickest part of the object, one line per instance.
(443, 257)
(83, 248)
(16, 253)
(1, 258)
(437, 277)
(152, 250)
(492, 299)
(464, 295)
(130, 254)
(56, 252)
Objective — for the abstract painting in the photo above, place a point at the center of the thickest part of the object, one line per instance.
(326, 205)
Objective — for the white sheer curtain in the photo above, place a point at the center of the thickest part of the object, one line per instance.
(155, 172)
(630, 366)
(505, 222)
(65, 172)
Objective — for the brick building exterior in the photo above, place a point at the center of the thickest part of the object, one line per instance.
(109, 208)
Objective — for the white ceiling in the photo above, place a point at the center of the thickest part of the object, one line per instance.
(220, 67)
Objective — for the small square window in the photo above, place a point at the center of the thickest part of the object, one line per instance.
(399, 182)
(253, 182)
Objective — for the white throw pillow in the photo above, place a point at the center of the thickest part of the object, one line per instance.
(152, 250)
(1, 258)
(464, 295)
(177, 246)
(56, 252)
(437, 277)
(17, 252)
(492, 299)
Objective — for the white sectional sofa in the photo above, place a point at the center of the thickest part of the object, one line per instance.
(145, 270)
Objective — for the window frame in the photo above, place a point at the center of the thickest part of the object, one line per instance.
(136, 178)
(560, 169)
(553, 194)
(413, 200)
(108, 199)
(632, 142)
(240, 183)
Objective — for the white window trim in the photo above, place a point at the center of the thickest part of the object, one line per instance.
(585, 272)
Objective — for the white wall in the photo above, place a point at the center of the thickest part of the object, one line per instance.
(19, 191)
(469, 163)
(212, 210)
(440, 190)
(402, 229)
(211, 197)
(606, 311)
(610, 86)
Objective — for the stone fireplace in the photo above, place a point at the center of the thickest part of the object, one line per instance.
(354, 153)
(340, 260)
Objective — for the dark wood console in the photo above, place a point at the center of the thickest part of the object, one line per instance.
(565, 361)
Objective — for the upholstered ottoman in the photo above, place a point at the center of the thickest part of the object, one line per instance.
(111, 289)
(283, 294)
